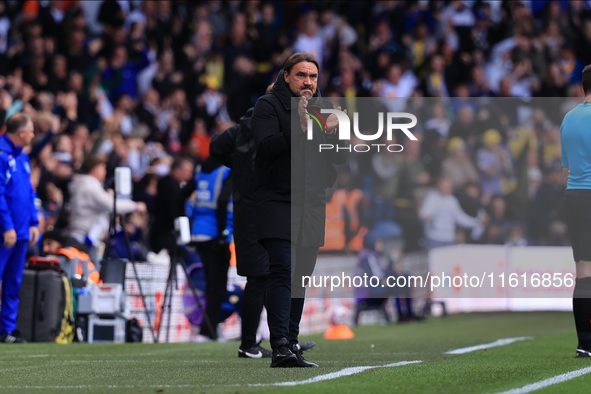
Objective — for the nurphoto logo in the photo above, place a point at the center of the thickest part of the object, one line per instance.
(344, 130)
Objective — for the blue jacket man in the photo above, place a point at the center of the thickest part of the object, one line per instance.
(207, 217)
(211, 217)
(18, 218)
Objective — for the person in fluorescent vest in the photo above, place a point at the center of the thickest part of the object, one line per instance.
(74, 263)
(211, 233)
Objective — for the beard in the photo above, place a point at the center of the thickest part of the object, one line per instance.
(306, 91)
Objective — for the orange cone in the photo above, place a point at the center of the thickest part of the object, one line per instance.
(340, 331)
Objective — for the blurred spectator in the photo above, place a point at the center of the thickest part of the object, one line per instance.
(534, 174)
(554, 83)
(469, 197)
(167, 78)
(457, 166)
(135, 225)
(398, 83)
(516, 237)
(89, 203)
(521, 141)
(387, 168)
(148, 113)
(570, 67)
(441, 213)
(435, 84)
(464, 127)
(121, 75)
(498, 226)
(546, 208)
(494, 165)
(58, 75)
(551, 151)
(309, 40)
(371, 262)
(147, 190)
(202, 139)
(478, 84)
(172, 192)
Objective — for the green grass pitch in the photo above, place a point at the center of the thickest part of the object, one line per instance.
(215, 367)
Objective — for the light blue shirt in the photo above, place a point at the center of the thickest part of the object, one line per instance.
(575, 137)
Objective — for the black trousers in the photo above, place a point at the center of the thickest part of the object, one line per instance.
(577, 214)
(216, 261)
(252, 306)
(288, 263)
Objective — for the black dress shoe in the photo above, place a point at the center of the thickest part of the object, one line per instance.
(282, 355)
(302, 362)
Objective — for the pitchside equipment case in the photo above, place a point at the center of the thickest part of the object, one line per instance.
(46, 306)
(106, 329)
(107, 299)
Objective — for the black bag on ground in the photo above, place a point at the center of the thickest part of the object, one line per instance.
(134, 331)
(42, 304)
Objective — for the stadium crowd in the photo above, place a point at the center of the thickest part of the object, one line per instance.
(139, 83)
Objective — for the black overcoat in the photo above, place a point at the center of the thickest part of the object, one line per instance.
(291, 174)
(236, 149)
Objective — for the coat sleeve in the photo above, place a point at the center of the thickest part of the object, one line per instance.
(222, 145)
(5, 217)
(270, 140)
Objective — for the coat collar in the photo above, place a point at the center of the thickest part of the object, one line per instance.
(245, 124)
(8, 146)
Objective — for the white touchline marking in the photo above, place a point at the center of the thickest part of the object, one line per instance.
(497, 343)
(343, 372)
(549, 382)
(320, 378)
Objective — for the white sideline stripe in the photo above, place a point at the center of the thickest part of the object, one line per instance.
(549, 382)
(497, 343)
(320, 378)
(342, 373)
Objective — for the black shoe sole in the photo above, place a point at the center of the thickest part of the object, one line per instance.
(287, 362)
(298, 365)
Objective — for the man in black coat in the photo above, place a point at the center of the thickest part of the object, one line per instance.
(235, 149)
(170, 204)
(292, 176)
